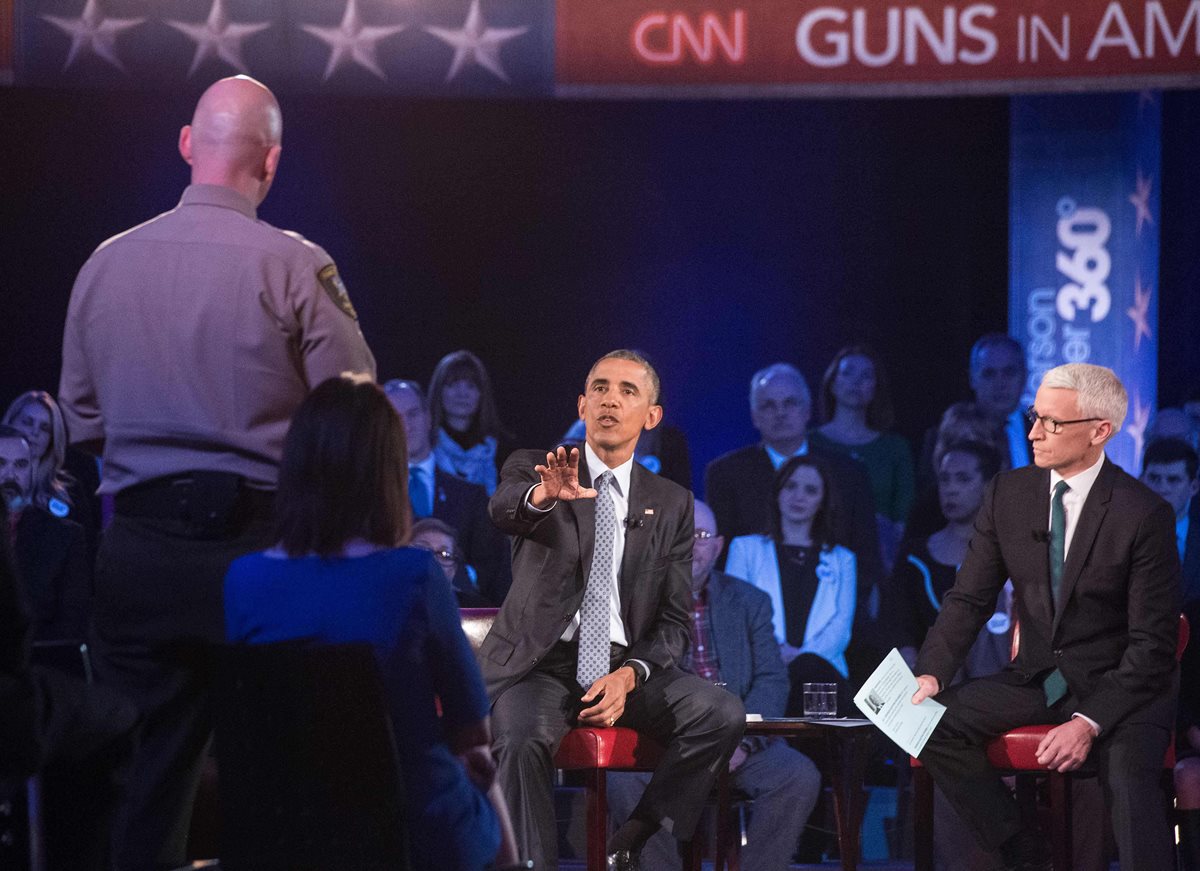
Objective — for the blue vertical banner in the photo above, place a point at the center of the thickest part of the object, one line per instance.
(1083, 243)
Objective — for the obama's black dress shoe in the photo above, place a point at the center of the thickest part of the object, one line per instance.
(1026, 851)
(624, 860)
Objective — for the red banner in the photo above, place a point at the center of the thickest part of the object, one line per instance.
(872, 42)
(6, 41)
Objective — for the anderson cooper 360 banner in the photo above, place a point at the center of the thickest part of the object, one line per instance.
(1083, 242)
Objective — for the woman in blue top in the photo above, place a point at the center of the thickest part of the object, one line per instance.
(338, 575)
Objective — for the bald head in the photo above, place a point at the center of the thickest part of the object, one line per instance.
(234, 137)
(707, 546)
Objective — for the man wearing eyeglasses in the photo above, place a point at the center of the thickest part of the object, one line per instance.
(1091, 553)
(733, 645)
(458, 503)
(440, 539)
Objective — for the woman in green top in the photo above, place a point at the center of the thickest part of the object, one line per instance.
(857, 411)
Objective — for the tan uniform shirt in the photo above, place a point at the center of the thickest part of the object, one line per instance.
(191, 340)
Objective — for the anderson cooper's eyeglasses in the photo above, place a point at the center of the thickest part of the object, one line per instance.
(1053, 425)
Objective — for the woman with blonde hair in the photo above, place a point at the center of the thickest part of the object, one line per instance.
(38, 417)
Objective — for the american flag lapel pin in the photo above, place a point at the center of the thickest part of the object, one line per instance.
(649, 510)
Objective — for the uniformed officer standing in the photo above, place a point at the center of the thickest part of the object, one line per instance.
(190, 341)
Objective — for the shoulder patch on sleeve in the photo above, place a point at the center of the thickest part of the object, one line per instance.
(334, 286)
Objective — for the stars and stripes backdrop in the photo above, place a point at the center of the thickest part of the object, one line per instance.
(605, 48)
(451, 47)
(1083, 240)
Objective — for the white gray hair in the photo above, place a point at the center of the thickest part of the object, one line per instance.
(779, 370)
(1100, 392)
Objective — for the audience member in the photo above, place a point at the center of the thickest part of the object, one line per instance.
(739, 488)
(733, 644)
(968, 421)
(1169, 468)
(440, 539)
(190, 341)
(1191, 405)
(961, 422)
(51, 552)
(1187, 749)
(66, 477)
(78, 737)
(857, 408)
(469, 440)
(598, 620)
(1173, 423)
(926, 570)
(1095, 572)
(340, 574)
(924, 573)
(55, 487)
(461, 504)
(810, 580)
(997, 375)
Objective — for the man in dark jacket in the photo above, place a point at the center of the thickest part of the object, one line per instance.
(597, 621)
(733, 643)
(1095, 570)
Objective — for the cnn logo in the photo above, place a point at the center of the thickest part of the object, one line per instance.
(664, 38)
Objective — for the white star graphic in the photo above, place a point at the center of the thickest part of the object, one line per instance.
(352, 41)
(1141, 201)
(476, 43)
(219, 36)
(1139, 313)
(92, 32)
(1137, 427)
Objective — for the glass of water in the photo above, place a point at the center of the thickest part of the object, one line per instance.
(820, 700)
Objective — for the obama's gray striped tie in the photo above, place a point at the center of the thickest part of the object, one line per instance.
(593, 613)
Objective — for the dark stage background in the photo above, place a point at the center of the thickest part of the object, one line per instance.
(717, 236)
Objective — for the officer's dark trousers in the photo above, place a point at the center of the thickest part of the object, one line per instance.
(158, 603)
(79, 738)
(699, 724)
(1128, 760)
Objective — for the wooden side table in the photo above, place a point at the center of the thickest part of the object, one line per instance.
(848, 742)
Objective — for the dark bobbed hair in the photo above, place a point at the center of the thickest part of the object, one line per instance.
(344, 473)
(988, 457)
(822, 531)
(1171, 450)
(967, 421)
(879, 410)
(456, 366)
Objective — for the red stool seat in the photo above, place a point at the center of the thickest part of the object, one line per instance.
(593, 751)
(615, 747)
(1017, 748)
